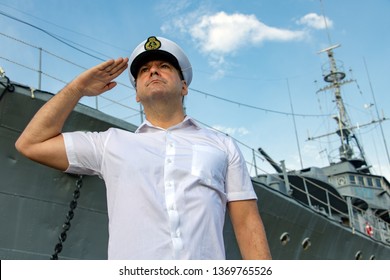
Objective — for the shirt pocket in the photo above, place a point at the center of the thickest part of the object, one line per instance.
(209, 165)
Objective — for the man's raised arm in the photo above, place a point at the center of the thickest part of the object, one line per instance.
(42, 140)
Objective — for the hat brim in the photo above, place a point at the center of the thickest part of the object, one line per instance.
(151, 55)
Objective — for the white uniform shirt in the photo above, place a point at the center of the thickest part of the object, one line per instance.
(166, 189)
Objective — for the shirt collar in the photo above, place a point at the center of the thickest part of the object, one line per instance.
(147, 126)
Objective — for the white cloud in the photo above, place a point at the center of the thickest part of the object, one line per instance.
(220, 35)
(315, 21)
(223, 33)
(232, 131)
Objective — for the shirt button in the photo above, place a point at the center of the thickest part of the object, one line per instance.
(170, 205)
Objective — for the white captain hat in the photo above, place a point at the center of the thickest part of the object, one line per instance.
(159, 48)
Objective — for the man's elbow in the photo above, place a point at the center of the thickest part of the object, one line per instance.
(21, 146)
(50, 153)
(24, 148)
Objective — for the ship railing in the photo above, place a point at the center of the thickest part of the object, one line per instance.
(323, 206)
(353, 216)
(369, 224)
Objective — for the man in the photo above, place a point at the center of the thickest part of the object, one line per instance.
(169, 183)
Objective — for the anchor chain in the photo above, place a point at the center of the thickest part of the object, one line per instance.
(69, 216)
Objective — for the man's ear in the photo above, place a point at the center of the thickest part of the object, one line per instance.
(184, 90)
(136, 95)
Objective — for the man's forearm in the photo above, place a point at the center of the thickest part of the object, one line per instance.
(49, 120)
(249, 230)
(253, 243)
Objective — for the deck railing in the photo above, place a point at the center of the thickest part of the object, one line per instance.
(358, 219)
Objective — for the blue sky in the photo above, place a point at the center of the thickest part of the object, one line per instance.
(248, 57)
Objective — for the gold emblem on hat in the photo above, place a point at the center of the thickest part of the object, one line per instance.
(152, 44)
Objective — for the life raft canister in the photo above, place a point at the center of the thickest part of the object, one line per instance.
(369, 230)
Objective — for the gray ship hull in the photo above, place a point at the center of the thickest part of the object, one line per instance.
(34, 201)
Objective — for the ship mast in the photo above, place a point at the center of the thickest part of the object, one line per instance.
(334, 76)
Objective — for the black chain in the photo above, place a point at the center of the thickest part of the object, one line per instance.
(66, 226)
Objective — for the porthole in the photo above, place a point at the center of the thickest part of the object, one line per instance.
(306, 243)
(358, 255)
(285, 238)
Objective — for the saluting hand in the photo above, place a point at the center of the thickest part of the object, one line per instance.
(99, 78)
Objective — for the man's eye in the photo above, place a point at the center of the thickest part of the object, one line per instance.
(165, 66)
(143, 70)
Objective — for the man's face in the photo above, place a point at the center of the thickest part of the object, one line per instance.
(159, 80)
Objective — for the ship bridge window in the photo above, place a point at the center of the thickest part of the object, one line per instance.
(369, 182)
(378, 183)
(352, 180)
(361, 180)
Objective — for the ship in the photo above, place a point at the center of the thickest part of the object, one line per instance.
(337, 212)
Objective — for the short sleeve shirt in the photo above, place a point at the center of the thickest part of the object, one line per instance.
(167, 189)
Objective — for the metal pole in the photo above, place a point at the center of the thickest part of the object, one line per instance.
(40, 69)
(350, 214)
(286, 182)
(328, 202)
(377, 113)
(295, 125)
(254, 162)
(307, 192)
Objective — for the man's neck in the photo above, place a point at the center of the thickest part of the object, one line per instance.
(164, 120)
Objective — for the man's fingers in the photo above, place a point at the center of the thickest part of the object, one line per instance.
(112, 66)
(111, 69)
(110, 86)
(119, 66)
(104, 65)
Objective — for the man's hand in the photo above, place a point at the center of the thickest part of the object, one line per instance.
(99, 79)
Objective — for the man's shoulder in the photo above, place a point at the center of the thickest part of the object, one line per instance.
(214, 132)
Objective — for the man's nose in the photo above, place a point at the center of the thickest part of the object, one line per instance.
(154, 70)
